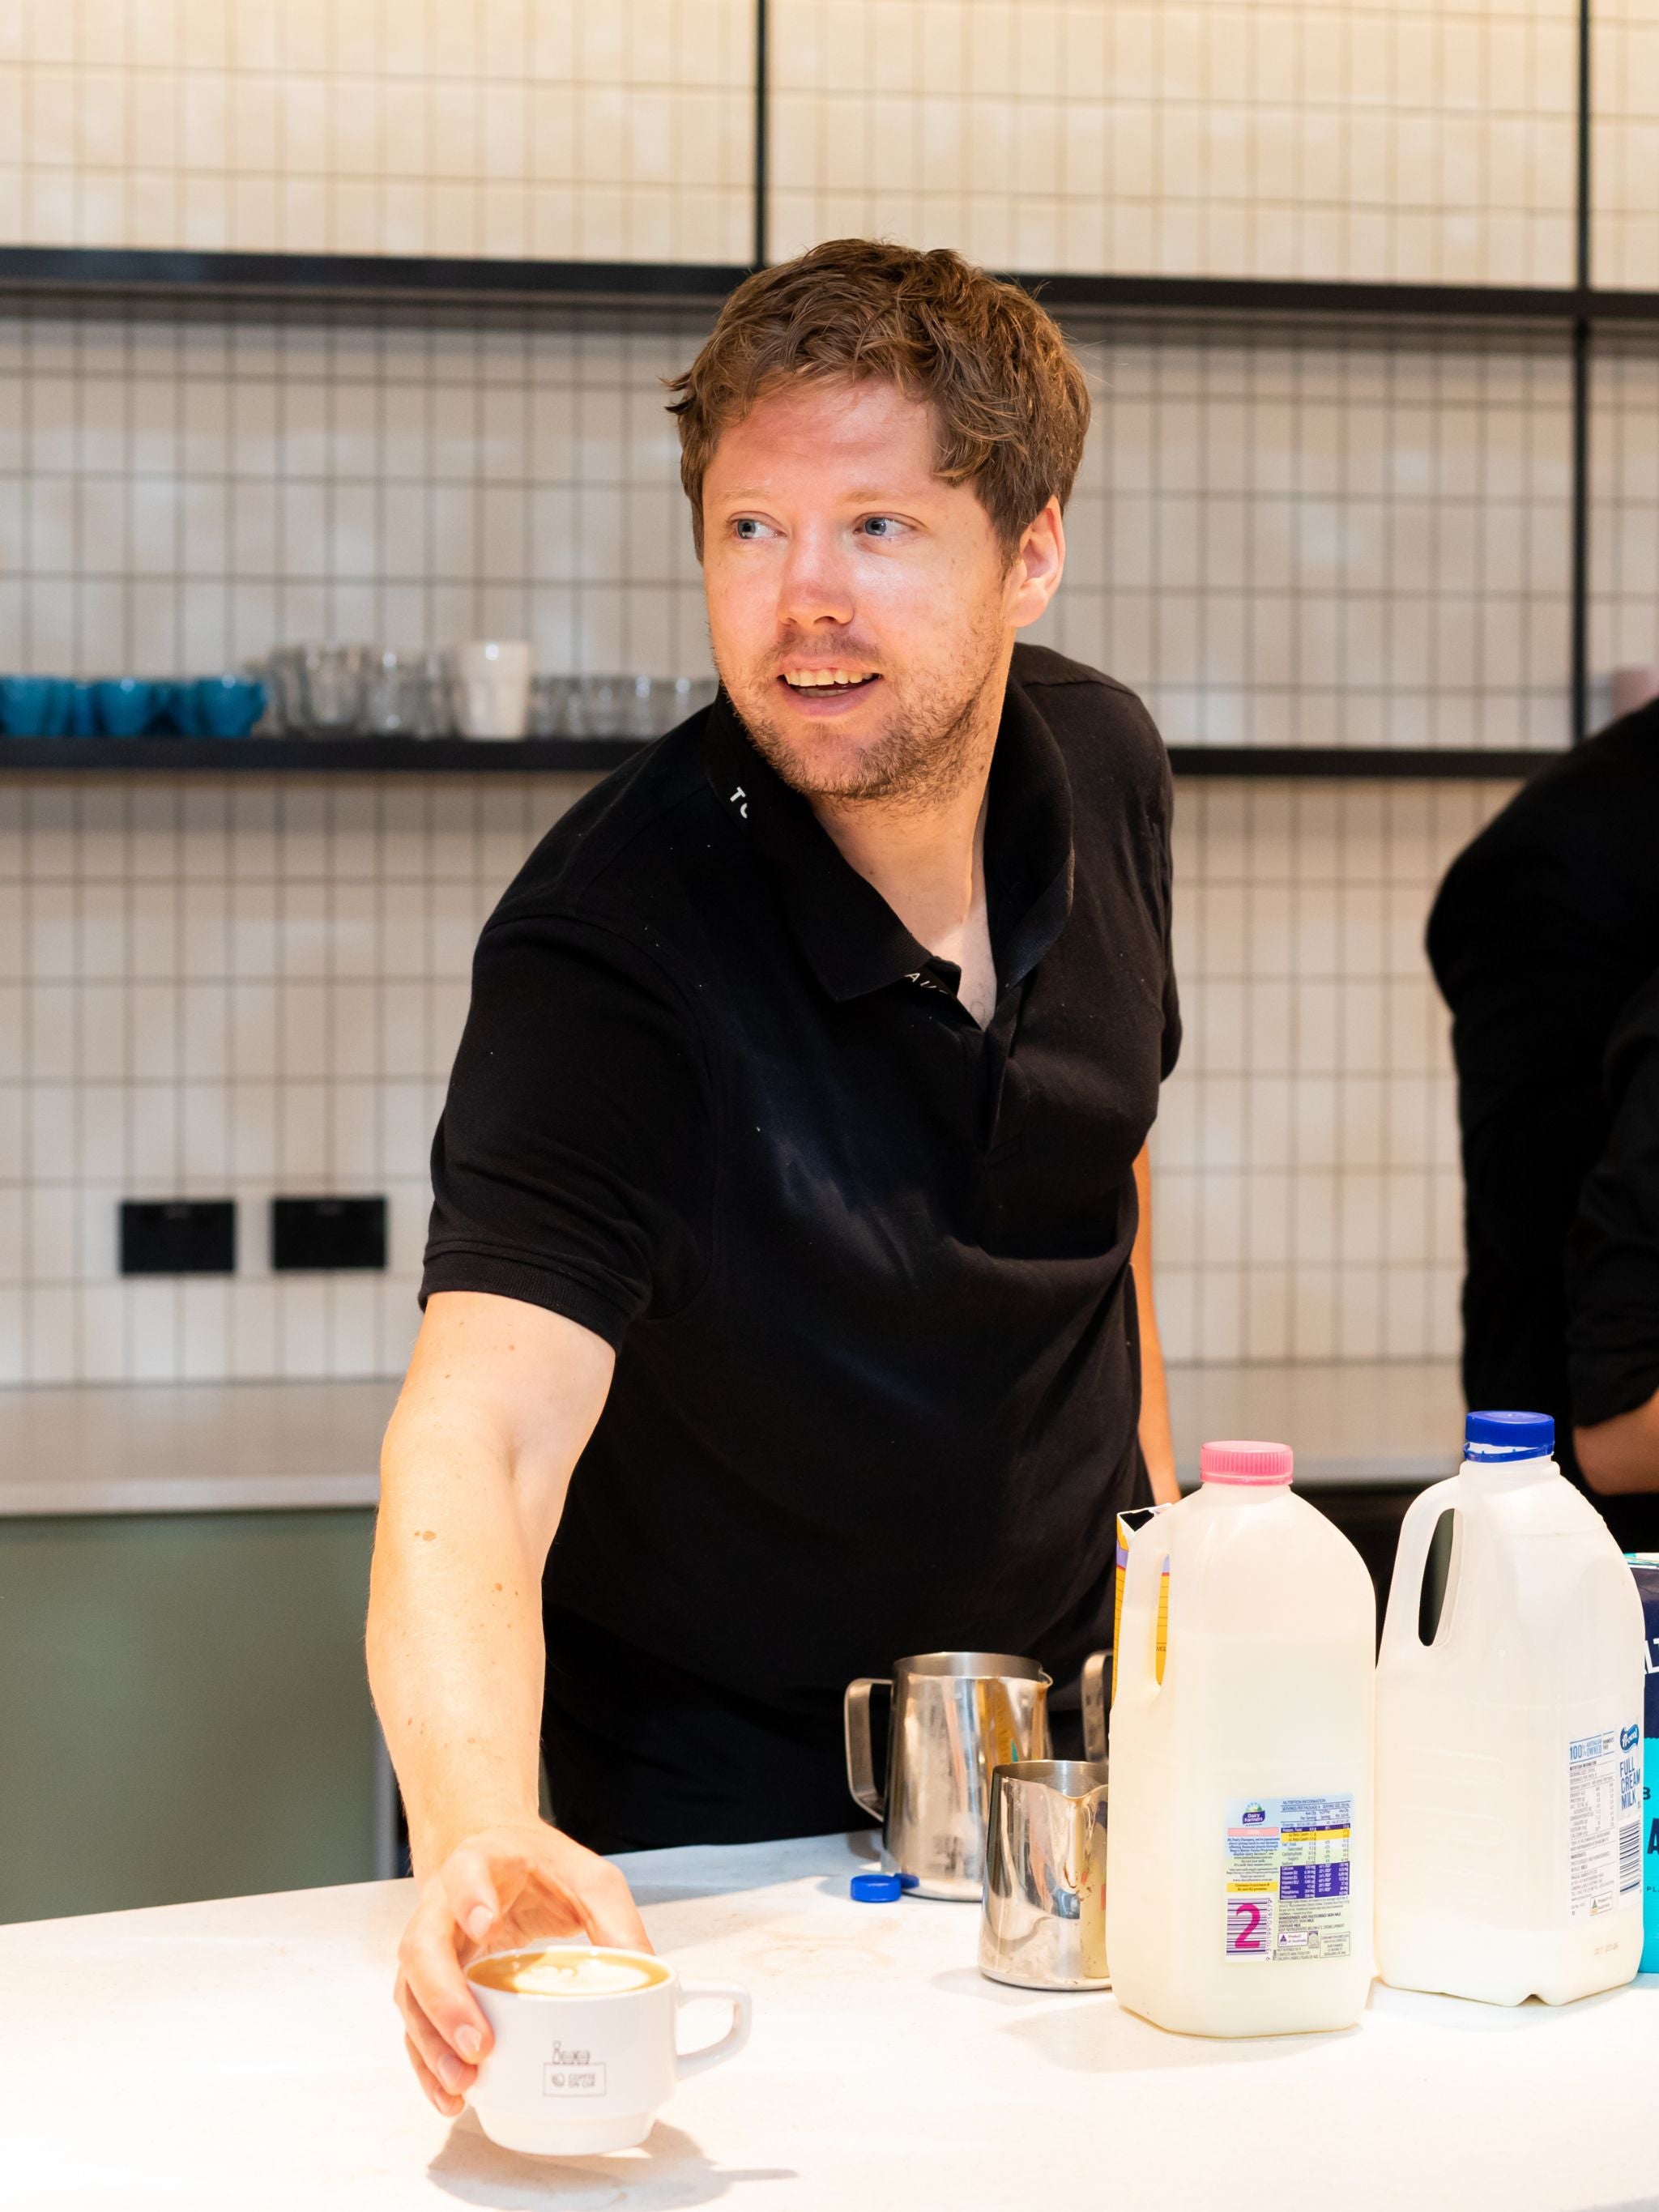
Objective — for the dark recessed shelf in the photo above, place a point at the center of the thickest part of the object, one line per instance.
(110, 272)
(98, 271)
(1362, 763)
(585, 756)
(312, 756)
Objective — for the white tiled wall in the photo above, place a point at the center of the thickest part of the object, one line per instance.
(247, 986)
(1625, 153)
(231, 986)
(1625, 510)
(180, 492)
(1353, 538)
(1307, 1198)
(539, 128)
(1426, 143)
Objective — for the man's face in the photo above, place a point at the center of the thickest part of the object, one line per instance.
(860, 610)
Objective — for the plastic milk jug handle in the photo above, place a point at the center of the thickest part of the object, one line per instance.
(712, 2054)
(860, 1755)
(1137, 1639)
(1092, 1687)
(1411, 1558)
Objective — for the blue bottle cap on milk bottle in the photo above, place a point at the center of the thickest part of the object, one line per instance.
(1495, 1436)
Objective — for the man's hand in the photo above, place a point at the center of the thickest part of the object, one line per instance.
(504, 1888)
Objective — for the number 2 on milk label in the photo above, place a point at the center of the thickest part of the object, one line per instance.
(1289, 1878)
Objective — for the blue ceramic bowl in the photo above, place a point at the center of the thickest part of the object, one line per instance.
(124, 705)
(227, 706)
(35, 706)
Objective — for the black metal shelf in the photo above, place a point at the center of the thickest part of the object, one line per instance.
(111, 272)
(108, 271)
(299, 756)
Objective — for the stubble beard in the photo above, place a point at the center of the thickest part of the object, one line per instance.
(937, 742)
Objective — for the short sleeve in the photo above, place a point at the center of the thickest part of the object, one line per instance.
(572, 1166)
(1612, 1252)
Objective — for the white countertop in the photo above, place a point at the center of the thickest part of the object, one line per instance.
(215, 1447)
(244, 2053)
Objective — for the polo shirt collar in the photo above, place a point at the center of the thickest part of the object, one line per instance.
(851, 938)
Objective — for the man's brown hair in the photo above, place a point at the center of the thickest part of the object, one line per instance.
(1008, 397)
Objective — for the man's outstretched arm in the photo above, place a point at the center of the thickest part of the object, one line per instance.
(1156, 1441)
(499, 1399)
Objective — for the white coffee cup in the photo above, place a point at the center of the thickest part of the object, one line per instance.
(490, 681)
(577, 2070)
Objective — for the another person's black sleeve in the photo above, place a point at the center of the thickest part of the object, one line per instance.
(573, 1164)
(1612, 1252)
(1169, 1047)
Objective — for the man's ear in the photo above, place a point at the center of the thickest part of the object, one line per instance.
(1039, 562)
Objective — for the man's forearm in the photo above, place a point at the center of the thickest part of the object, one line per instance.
(455, 1652)
(1622, 1454)
(1157, 1443)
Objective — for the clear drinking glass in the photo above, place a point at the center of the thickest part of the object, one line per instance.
(596, 706)
(398, 696)
(333, 680)
(548, 697)
(643, 708)
(285, 674)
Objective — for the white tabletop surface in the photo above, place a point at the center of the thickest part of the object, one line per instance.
(218, 1447)
(245, 2054)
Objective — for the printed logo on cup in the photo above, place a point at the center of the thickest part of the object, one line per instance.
(572, 2074)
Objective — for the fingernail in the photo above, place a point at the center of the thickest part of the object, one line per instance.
(450, 2071)
(479, 1921)
(468, 2043)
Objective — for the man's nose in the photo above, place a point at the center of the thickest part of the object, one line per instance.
(817, 585)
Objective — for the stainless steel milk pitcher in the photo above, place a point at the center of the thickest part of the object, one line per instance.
(956, 1716)
(1044, 1923)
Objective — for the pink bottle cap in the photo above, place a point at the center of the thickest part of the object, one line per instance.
(1246, 1462)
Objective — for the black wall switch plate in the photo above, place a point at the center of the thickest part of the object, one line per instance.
(178, 1236)
(327, 1233)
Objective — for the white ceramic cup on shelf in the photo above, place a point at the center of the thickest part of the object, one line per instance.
(578, 2066)
(490, 682)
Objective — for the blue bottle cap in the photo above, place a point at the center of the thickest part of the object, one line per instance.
(909, 1881)
(876, 1888)
(1496, 1437)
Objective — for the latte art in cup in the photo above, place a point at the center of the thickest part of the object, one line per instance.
(585, 2044)
(566, 1973)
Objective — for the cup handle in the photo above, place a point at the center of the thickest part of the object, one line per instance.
(1093, 1692)
(731, 1993)
(861, 1755)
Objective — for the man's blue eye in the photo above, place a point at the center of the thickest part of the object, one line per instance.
(747, 526)
(882, 525)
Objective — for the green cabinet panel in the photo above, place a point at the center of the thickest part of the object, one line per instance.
(183, 1711)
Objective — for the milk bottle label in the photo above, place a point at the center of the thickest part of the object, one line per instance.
(1289, 1878)
(1604, 1821)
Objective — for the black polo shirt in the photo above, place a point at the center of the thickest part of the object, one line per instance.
(865, 1266)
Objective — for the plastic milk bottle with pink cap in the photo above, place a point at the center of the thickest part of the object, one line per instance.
(1239, 1852)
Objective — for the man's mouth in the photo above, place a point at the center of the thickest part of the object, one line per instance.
(828, 679)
